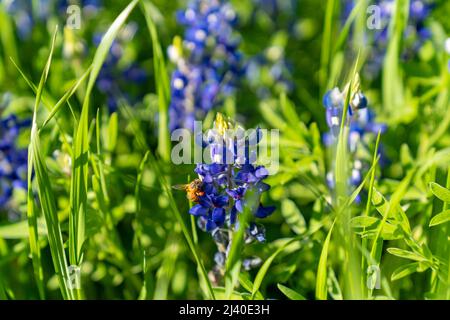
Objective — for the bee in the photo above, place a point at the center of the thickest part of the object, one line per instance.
(194, 189)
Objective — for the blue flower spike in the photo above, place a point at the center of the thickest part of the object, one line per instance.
(226, 183)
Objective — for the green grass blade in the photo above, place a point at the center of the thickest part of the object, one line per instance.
(245, 282)
(179, 218)
(392, 85)
(265, 267)
(7, 38)
(79, 184)
(291, 294)
(31, 208)
(343, 36)
(368, 205)
(321, 280)
(326, 44)
(162, 83)
(47, 201)
(46, 101)
(65, 98)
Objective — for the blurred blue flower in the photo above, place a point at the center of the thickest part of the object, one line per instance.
(113, 78)
(27, 13)
(415, 34)
(208, 63)
(13, 161)
(89, 6)
(22, 13)
(360, 122)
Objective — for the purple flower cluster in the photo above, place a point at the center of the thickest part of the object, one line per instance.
(225, 183)
(13, 161)
(208, 61)
(360, 122)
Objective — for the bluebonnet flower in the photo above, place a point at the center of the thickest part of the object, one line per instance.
(208, 63)
(415, 34)
(360, 121)
(226, 183)
(13, 160)
(113, 78)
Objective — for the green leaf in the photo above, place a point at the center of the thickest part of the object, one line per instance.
(291, 294)
(271, 116)
(293, 216)
(440, 192)
(363, 221)
(220, 293)
(408, 269)
(406, 254)
(440, 218)
(398, 214)
(289, 111)
(245, 282)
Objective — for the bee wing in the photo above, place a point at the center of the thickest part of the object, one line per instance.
(180, 187)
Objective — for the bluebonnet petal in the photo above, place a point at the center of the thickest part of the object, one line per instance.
(233, 215)
(263, 212)
(220, 201)
(199, 210)
(218, 216)
(239, 205)
(210, 225)
(261, 173)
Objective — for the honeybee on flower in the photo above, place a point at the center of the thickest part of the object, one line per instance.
(194, 189)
